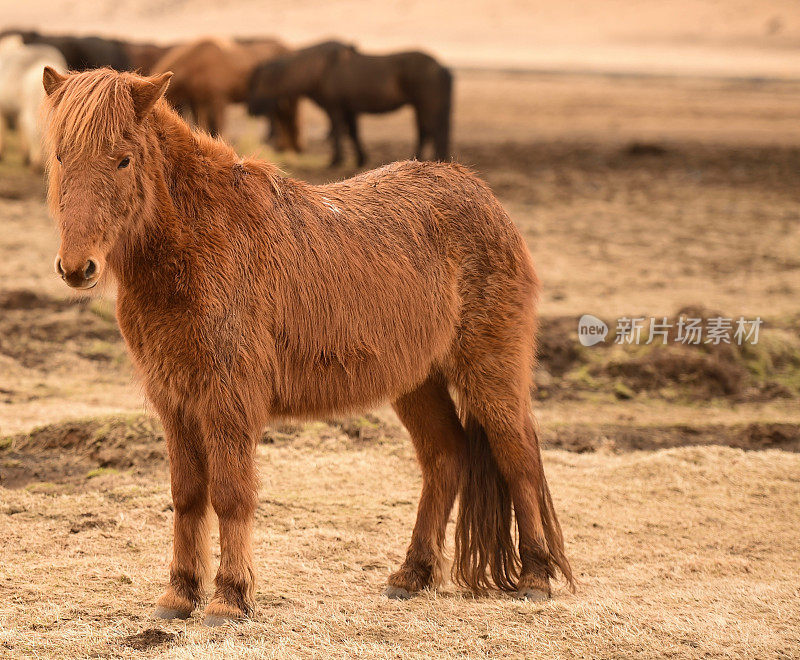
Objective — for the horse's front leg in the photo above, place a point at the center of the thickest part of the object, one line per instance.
(189, 476)
(234, 491)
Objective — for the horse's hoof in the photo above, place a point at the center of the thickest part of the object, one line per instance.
(533, 595)
(214, 621)
(398, 593)
(169, 613)
(220, 613)
(172, 605)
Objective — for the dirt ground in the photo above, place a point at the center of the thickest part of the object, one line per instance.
(676, 473)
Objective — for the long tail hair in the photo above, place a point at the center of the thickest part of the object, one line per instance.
(485, 549)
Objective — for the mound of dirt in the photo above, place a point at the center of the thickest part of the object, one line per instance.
(644, 149)
(82, 449)
(77, 451)
(24, 299)
(149, 639)
(691, 371)
(558, 347)
(769, 369)
(42, 332)
(583, 438)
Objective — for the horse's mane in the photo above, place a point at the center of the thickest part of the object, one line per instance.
(90, 109)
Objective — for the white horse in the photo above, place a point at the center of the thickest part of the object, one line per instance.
(21, 91)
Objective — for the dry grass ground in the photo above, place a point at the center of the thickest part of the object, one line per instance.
(636, 196)
(687, 552)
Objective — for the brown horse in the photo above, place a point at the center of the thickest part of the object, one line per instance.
(210, 74)
(346, 83)
(245, 296)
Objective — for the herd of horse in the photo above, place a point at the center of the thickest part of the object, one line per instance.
(245, 296)
(268, 76)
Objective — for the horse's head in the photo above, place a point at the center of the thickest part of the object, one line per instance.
(98, 149)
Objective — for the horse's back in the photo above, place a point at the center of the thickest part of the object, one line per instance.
(210, 68)
(449, 194)
(381, 83)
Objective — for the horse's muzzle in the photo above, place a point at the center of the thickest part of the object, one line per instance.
(84, 277)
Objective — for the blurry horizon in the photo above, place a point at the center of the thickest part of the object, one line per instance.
(703, 38)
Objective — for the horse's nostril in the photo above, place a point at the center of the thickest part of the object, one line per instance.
(91, 269)
(59, 267)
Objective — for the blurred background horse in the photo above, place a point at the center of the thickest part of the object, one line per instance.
(346, 83)
(21, 92)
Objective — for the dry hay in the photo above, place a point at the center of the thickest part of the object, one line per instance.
(670, 560)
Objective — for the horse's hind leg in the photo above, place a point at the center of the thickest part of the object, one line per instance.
(491, 368)
(189, 478)
(504, 417)
(430, 417)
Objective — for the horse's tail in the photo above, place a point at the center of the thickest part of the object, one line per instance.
(441, 140)
(485, 550)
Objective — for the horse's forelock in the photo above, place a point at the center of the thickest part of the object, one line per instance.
(91, 111)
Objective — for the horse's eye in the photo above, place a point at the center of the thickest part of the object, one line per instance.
(124, 163)
(58, 158)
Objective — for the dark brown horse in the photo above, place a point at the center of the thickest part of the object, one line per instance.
(81, 52)
(346, 83)
(245, 296)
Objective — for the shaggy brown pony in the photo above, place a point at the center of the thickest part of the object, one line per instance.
(245, 296)
(210, 74)
(346, 83)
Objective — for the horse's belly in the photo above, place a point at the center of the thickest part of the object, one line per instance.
(364, 373)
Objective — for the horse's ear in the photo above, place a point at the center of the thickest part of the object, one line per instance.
(52, 80)
(146, 91)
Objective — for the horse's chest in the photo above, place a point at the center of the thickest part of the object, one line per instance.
(181, 352)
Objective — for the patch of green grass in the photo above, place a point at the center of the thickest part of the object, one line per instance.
(43, 488)
(774, 361)
(582, 377)
(101, 472)
(622, 391)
